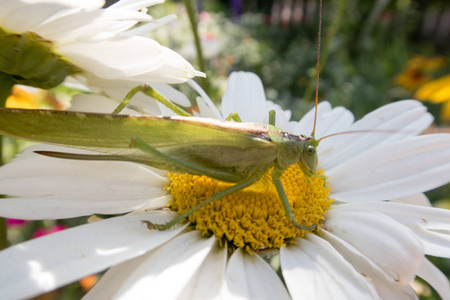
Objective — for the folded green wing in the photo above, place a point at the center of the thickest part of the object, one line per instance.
(205, 141)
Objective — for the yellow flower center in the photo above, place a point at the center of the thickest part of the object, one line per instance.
(252, 218)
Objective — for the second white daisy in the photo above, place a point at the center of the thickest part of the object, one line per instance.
(44, 41)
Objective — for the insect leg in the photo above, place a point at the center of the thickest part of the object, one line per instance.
(272, 117)
(99, 157)
(185, 166)
(276, 175)
(149, 91)
(235, 117)
(127, 99)
(237, 187)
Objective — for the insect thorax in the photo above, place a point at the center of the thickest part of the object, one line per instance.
(290, 148)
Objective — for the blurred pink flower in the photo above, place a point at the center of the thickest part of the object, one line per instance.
(44, 231)
(15, 222)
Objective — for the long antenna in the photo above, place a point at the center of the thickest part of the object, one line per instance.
(368, 131)
(346, 132)
(317, 67)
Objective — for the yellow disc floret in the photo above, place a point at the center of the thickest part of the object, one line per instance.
(253, 217)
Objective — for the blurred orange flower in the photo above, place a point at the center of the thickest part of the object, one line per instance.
(417, 71)
(88, 282)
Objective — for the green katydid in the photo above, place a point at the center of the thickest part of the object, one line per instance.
(227, 151)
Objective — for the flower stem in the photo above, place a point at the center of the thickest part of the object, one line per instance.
(6, 85)
(3, 234)
(201, 62)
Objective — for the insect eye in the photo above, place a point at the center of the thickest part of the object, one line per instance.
(311, 150)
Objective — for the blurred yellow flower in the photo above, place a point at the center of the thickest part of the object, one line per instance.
(417, 71)
(437, 91)
(33, 98)
(21, 98)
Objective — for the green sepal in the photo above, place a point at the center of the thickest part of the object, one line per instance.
(30, 60)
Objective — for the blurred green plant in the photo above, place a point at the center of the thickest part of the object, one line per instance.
(365, 45)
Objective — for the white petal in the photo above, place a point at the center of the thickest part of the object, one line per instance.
(140, 103)
(208, 282)
(400, 120)
(97, 104)
(79, 5)
(117, 57)
(206, 103)
(118, 90)
(386, 287)
(336, 120)
(92, 26)
(161, 273)
(134, 4)
(45, 263)
(392, 246)
(435, 278)
(8, 6)
(408, 116)
(306, 124)
(430, 224)
(174, 70)
(281, 116)
(328, 121)
(250, 277)
(407, 167)
(77, 82)
(205, 110)
(26, 17)
(312, 269)
(144, 30)
(58, 188)
(113, 278)
(244, 95)
(171, 93)
(417, 199)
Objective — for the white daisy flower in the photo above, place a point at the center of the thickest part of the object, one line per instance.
(365, 247)
(67, 37)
